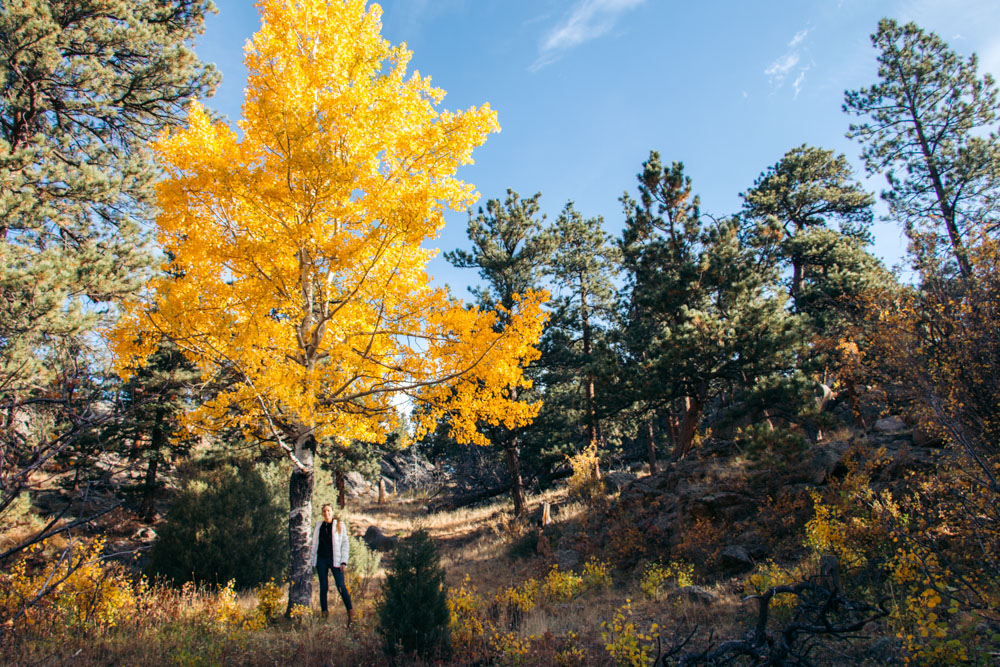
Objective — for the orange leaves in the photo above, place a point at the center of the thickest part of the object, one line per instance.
(295, 249)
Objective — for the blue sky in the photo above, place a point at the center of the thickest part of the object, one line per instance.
(585, 89)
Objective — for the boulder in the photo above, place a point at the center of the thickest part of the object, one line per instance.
(567, 559)
(735, 558)
(890, 424)
(618, 480)
(696, 594)
(356, 485)
(377, 541)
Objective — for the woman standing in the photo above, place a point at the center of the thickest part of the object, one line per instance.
(330, 550)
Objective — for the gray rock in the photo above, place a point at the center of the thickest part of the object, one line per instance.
(736, 558)
(356, 485)
(889, 424)
(618, 480)
(696, 594)
(377, 541)
(567, 559)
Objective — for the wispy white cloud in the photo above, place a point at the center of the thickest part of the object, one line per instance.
(587, 20)
(789, 62)
(797, 84)
(799, 36)
(779, 69)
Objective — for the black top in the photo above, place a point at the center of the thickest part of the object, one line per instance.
(325, 541)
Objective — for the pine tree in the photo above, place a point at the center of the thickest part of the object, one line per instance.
(151, 403)
(809, 187)
(413, 612)
(702, 316)
(510, 250)
(582, 267)
(85, 84)
(930, 129)
(789, 216)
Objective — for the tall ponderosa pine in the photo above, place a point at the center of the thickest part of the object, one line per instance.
(702, 316)
(789, 217)
(808, 188)
(510, 250)
(297, 266)
(582, 267)
(931, 130)
(84, 84)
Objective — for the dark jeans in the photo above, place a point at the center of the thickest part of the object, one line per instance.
(322, 566)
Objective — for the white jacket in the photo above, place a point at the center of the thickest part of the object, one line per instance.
(341, 545)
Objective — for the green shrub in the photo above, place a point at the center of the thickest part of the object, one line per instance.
(223, 526)
(363, 567)
(413, 613)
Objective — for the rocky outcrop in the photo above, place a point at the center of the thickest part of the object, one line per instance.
(736, 510)
(407, 470)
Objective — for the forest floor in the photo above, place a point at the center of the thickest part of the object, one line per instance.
(568, 594)
(484, 553)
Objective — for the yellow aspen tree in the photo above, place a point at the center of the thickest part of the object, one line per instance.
(295, 258)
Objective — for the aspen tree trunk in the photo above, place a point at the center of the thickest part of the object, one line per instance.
(300, 492)
(381, 490)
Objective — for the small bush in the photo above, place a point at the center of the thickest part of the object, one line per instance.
(363, 567)
(656, 578)
(413, 613)
(584, 483)
(626, 643)
(561, 586)
(223, 526)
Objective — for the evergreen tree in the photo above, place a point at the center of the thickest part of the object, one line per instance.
(413, 613)
(510, 250)
(809, 187)
(225, 525)
(582, 267)
(702, 317)
(929, 128)
(85, 84)
(789, 215)
(151, 402)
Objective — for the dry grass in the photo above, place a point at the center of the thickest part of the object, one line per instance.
(477, 543)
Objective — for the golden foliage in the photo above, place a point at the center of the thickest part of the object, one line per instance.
(294, 244)
(626, 643)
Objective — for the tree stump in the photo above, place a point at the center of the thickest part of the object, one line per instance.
(829, 573)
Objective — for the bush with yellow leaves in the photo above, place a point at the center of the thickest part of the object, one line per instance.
(585, 482)
(79, 592)
(561, 586)
(624, 642)
(467, 620)
(656, 577)
(596, 574)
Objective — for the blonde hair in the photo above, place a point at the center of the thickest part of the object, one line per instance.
(338, 523)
